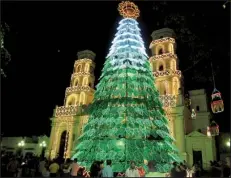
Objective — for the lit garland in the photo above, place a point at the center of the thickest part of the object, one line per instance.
(162, 40)
(67, 110)
(168, 100)
(78, 89)
(167, 73)
(126, 119)
(162, 56)
(83, 61)
(66, 145)
(77, 74)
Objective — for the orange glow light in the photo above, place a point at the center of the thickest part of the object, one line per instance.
(128, 9)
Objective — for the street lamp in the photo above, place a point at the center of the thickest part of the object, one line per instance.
(43, 145)
(228, 143)
(21, 143)
(224, 5)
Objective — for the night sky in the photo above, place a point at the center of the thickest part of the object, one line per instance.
(45, 37)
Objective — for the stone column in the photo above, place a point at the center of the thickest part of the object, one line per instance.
(180, 134)
(70, 140)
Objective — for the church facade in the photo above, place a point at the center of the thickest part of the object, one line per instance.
(190, 134)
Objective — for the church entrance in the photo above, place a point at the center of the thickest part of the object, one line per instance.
(197, 158)
(62, 144)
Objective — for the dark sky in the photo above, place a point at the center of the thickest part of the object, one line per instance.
(38, 74)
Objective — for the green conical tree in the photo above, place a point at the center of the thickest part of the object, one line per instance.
(127, 121)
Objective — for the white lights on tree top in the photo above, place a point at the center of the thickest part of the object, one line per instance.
(217, 104)
(193, 114)
(128, 9)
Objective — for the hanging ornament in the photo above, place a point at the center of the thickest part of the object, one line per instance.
(217, 104)
(213, 129)
(193, 114)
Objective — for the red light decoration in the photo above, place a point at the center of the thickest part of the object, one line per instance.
(213, 129)
(141, 171)
(217, 104)
(128, 9)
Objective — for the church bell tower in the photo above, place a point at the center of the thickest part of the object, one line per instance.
(168, 80)
(68, 120)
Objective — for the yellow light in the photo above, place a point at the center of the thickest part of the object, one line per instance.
(120, 143)
(21, 143)
(128, 9)
(43, 144)
(228, 143)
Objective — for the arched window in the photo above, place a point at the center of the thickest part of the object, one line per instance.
(161, 68)
(82, 98)
(71, 100)
(171, 48)
(78, 69)
(197, 108)
(160, 51)
(85, 81)
(86, 69)
(75, 82)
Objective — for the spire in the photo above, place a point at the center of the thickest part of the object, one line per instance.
(128, 9)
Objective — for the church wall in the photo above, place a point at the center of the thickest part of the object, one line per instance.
(201, 143)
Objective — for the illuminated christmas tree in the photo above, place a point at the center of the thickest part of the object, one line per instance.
(126, 120)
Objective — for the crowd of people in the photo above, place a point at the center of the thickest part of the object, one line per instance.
(31, 166)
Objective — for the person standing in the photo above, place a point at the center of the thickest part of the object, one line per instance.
(132, 171)
(54, 168)
(42, 164)
(74, 168)
(107, 171)
(66, 168)
(12, 167)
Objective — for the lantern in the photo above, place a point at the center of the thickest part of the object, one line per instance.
(213, 129)
(193, 115)
(217, 104)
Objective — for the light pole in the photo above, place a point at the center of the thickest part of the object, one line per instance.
(224, 5)
(43, 145)
(228, 143)
(21, 144)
